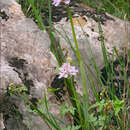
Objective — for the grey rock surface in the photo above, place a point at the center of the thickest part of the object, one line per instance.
(25, 60)
(1, 122)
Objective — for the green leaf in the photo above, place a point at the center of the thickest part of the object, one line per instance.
(52, 90)
(129, 55)
(94, 105)
(57, 70)
(71, 128)
(117, 111)
(101, 120)
(118, 105)
(64, 109)
(22, 89)
(92, 118)
(40, 102)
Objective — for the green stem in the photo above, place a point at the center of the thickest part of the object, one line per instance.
(83, 74)
(38, 17)
(73, 96)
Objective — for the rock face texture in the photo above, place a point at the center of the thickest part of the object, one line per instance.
(1, 122)
(26, 60)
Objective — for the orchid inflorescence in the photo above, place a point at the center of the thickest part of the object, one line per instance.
(66, 70)
(57, 2)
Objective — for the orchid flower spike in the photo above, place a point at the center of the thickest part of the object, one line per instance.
(57, 2)
(67, 70)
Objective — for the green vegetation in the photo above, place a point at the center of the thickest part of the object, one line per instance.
(115, 7)
(110, 110)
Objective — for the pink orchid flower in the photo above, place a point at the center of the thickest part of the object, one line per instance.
(67, 70)
(57, 2)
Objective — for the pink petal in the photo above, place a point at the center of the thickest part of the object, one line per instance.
(66, 1)
(56, 2)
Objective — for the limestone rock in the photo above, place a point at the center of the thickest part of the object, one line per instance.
(25, 60)
(1, 122)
